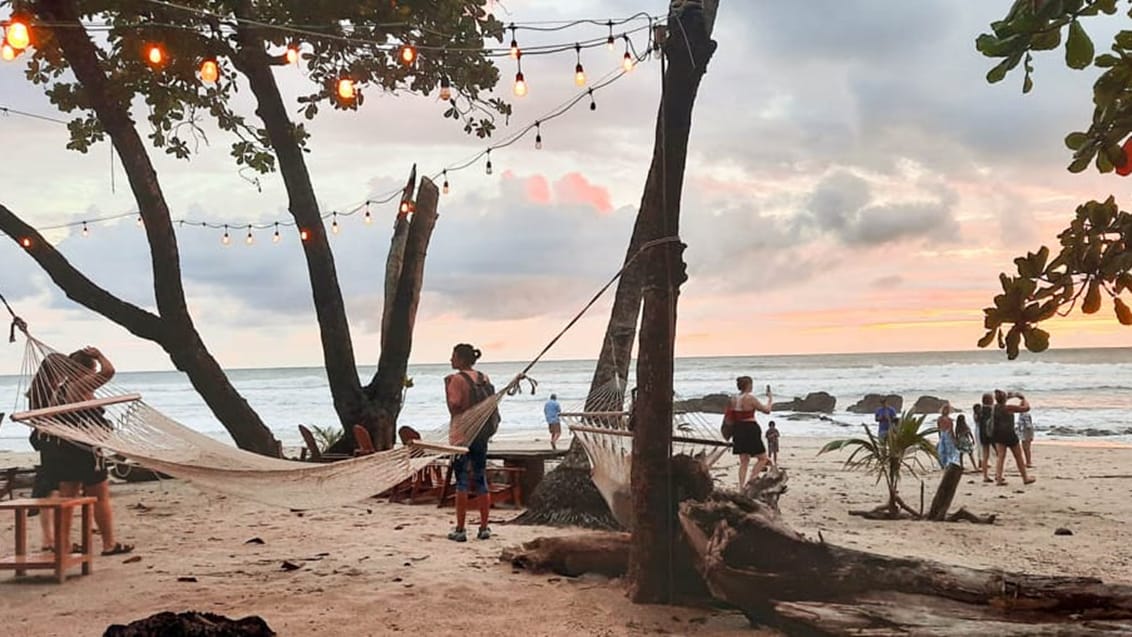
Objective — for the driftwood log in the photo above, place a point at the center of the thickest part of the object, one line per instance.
(744, 554)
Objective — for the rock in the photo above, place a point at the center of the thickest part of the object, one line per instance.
(169, 624)
(927, 405)
(871, 402)
(710, 404)
(1062, 531)
(814, 402)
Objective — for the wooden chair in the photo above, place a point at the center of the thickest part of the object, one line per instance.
(426, 484)
(503, 484)
(15, 478)
(316, 455)
(363, 442)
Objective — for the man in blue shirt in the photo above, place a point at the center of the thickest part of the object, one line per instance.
(885, 417)
(552, 411)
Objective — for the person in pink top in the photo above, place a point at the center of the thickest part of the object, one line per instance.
(747, 436)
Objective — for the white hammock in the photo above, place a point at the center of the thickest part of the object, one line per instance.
(122, 423)
(602, 428)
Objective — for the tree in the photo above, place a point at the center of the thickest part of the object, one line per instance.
(100, 79)
(901, 450)
(1095, 254)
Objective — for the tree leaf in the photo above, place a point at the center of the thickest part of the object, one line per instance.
(1037, 339)
(1078, 47)
(1075, 140)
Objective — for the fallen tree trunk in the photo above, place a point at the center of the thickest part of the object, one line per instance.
(945, 493)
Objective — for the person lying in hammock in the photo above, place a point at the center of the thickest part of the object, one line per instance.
(77, 468)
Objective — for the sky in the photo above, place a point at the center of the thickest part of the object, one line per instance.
(853, 185)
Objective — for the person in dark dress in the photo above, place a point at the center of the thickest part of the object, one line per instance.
(747, 436)
(1004, 436)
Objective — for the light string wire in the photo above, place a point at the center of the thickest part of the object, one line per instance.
(381, 198)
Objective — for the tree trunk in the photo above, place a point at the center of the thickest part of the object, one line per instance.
(387, 386)
(173, 328)
(945, 493)
(395, 260)
(688, 50)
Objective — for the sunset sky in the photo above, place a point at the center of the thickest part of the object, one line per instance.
(853, 185)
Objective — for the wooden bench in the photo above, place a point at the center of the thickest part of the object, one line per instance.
(509, 489)
(62, 558)
(532, 462)
(14, 478)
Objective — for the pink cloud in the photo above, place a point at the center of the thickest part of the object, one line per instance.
(537, 189)
(573, 188)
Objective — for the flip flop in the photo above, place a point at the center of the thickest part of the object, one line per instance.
(119, 549)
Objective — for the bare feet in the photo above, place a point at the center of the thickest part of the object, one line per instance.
(1029, 481)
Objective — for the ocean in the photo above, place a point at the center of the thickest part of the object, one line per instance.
(1074, 392)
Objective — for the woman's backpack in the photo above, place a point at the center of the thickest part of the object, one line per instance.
(481, 390)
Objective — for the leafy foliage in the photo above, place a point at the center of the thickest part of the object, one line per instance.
(337, 41)
(887, 457)
(1095, 258)
(327, 437)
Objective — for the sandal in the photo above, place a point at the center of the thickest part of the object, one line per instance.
(1029, 481)
(119, 549)
(1001, 483)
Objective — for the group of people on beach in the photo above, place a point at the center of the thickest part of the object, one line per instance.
(65, 468)
(995, 428)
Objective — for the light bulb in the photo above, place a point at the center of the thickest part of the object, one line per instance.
(291, 54)
(406, 206)
(346, 89)
(209, 71)
(444, 188)
(368, 217)
(593, 104)
(304, 235)
(139, 222)
(538, 141)
(609, 42)
(275, 238)
(579, 75)
(334, 224)
(250, 239)
(226, 239)
(17, 35)
(154, 55)
(86, 233)
(408, 54)
(7, 53)
(515, 52)
(627, 62)
(445, 88)
(488, 169)
(26, 242)
(520, 87)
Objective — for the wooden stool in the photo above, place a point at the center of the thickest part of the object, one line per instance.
(62, 558)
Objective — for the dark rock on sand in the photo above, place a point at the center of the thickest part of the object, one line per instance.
(1063, 531)
(192, 624)
(1088, 432)
(871, 402)
(710, 404)
(927, 405)
(813, 403)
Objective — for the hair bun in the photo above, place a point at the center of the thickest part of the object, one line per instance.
(476, 353)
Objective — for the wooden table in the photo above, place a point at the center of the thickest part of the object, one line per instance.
(531, 461)
(62, 558)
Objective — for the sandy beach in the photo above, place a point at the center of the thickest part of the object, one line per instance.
(378, 568)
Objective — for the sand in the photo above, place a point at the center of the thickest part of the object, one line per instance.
(378, 568)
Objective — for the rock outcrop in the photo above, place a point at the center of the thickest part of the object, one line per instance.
(871, 402)
(928, 405)
(710, 404)
(813, 403)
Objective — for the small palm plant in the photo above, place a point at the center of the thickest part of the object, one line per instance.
(901, 450)
(326, 437)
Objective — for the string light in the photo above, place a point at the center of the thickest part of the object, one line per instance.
(291, 55)
(408, 54)
(249, 239)
(154, 55)
(368, 217)
(538, 136)
(26, 242)
(86, 232)
(209, 71)
(445, 88)
(407, 206)
(346, 90)
(444, 188)
(609, 42)
(627, 61)
(593, 104)
(139, 222)
(226, 239)
(8, 52)
(304, 234)
(520, 87)
(488, 169)
(579, 72)
(515, 53)
(17, 34)
(334, 225)
(275, 237)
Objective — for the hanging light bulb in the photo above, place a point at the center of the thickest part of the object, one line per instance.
(444, 188)
(445, 88)
(488, 168)
(226, 239)
(579, 72)
(291, 54)
(659, 37)
(209, 71)
(26, 242)
(520, 87)
(17, 34)
(609, 41)
(407, 206)
(593, 104)
(139, 222)
(515, 53)
(304, 235)
(334, 224)
(86, 233)
(7, 52)
(627, 61)
(538, 136)
(249, 239)
(154, 55)
(346, 90)
(408, 53)
(275, 237)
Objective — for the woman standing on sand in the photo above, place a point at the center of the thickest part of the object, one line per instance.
(984, 416)
(747, 439)
(947, 449)
(965, 441)
(1004, 436)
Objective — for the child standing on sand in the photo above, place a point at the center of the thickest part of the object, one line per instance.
(772, 443)
(965, 440)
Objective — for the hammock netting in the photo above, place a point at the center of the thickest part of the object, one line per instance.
(108, 419)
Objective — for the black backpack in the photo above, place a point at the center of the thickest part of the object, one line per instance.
(482, 389)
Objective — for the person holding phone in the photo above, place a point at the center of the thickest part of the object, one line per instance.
(747, 436)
